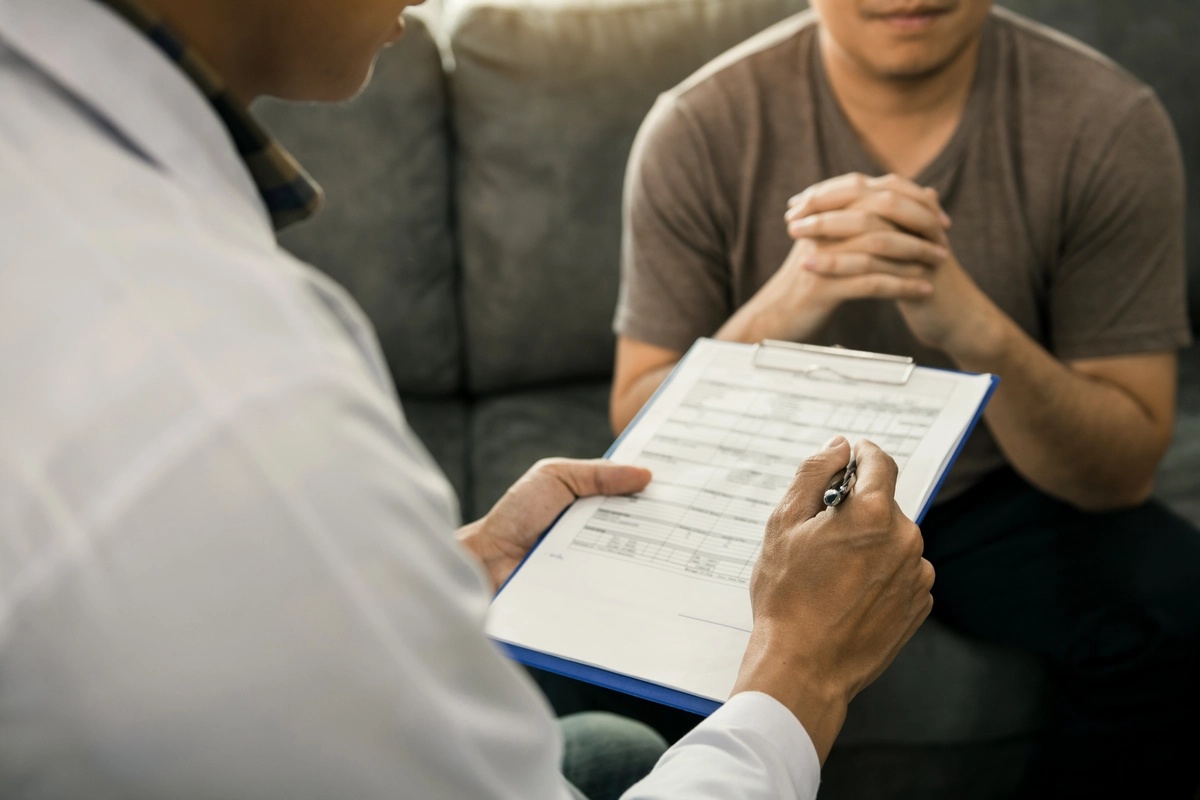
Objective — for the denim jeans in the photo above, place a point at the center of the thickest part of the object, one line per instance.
(604, 754)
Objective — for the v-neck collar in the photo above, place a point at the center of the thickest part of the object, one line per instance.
(844, 141)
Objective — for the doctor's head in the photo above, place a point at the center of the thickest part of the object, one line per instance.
(293, 49)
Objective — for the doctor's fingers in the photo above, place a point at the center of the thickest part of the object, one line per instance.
(803, 498)
(907, 621)
(876, 471)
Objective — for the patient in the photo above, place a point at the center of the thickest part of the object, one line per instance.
(953, 182)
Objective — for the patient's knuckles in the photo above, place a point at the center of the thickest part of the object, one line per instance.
(882, 242)
(890, 180)
(873, 221)
(801, 205)
(890, 202)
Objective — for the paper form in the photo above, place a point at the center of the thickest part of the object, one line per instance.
(655, 586)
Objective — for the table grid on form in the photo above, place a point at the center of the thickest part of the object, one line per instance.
(726, 457)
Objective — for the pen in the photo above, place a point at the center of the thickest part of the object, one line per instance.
(838, 490)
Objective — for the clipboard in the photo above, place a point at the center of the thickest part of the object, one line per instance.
(835, 363)
(532, 590)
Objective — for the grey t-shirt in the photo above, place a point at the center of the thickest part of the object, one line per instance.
(1064, 182)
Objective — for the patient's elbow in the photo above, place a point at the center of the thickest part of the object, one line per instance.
(619, 414)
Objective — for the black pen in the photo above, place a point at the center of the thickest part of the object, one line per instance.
(838, 490)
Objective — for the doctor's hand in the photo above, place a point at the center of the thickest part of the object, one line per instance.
(502, 538)
(836, 592)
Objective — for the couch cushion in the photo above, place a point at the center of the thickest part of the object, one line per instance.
(442, 426)
(547, 96)
(1156, 41)
(510, 432)
(385, 232)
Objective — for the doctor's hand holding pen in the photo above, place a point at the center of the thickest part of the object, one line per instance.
(837, 591)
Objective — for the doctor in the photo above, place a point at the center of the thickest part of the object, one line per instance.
(227, 566)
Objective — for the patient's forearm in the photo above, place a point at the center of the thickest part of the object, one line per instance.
(628, 400)
(1088, 441)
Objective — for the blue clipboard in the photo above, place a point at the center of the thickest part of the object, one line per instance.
(664, 695)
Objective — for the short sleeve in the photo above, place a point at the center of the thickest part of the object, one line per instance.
(675, 278)
(1118, 287)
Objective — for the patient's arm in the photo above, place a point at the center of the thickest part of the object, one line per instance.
(640, 370)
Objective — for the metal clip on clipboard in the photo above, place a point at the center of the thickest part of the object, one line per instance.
(838, 363)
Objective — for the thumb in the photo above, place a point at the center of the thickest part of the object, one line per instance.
(813, 477)
(598, 476)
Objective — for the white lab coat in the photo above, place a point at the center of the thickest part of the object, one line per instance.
(225, 560)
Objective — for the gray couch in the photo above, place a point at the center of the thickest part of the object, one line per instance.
(474, 210)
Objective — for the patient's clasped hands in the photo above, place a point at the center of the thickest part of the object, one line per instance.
(858, 237)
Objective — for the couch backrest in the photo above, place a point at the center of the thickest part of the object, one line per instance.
(547, 97)
(1156, 40)
(385, 232)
